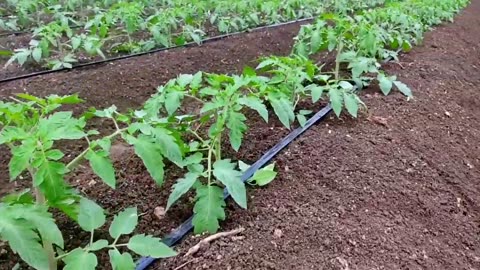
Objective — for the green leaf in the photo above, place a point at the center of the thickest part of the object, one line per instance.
(225, 172)
(124, 223)
(256, 104)
(37, 54)
(302, 120)
(146, 245)
(264, 176)
(265, 63)
(91, 215)
(208, 209)
(19, 225)
(172, 101)
(151, 156)
(22, 197)
(351, 103)
(385, 84)
(79, 259)
(97, 245)
(54, 154)
(316, 92)
(168, 145)
(243, 166)
(182, 186)
(316, 42)
(403, 88)
(42, 220)
(49, 177)
(24, 241)
(336, 101)
(184, 79)
(121, 261)
(102, 166)
(236, 124)
(61, 125)
(284, 110)
(21, 156)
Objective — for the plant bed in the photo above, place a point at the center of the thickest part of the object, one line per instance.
(286, 170)
(397, 189)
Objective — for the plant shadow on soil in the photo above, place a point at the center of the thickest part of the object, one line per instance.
(397, 188)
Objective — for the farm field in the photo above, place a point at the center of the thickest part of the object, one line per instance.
(394, 185)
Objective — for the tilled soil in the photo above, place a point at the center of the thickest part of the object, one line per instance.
(397, 188)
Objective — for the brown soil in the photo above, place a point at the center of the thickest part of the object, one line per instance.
(396, 189)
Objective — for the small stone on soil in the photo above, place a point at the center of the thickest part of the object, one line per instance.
(278, 233)
(159, 212)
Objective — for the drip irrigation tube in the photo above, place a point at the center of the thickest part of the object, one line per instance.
(207, 40)
(175, 236)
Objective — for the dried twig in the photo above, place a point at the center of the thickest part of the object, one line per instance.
(211, 238)
(183, 265)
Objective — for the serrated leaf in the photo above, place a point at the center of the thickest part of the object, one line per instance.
(61, 125)
(208, 209)
(103, 167)
(403, 88)
(224, 171)
(236, 125)
(146, 245)
(90, 216)
(23, 240)
(336, 101)
(121, 261)
(49, 177)
(124, 223)
(151, 156)
(21, 156)
(316, 41)
(264, 176)
(182, 186)
(351, 103)
(284, 110)
(97, 245)
(168, 145)
(79, 259)
(256, 104)
(43, 222)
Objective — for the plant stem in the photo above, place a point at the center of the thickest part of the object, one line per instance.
(209, 164)
(74, 163)
(218, 147)
(195, 98)
(47, 246)
(337, 59)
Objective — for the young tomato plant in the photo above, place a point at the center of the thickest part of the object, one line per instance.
(31, 126)
(24, 226)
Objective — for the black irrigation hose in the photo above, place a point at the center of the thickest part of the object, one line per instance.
(207, 40)
(175, 236)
